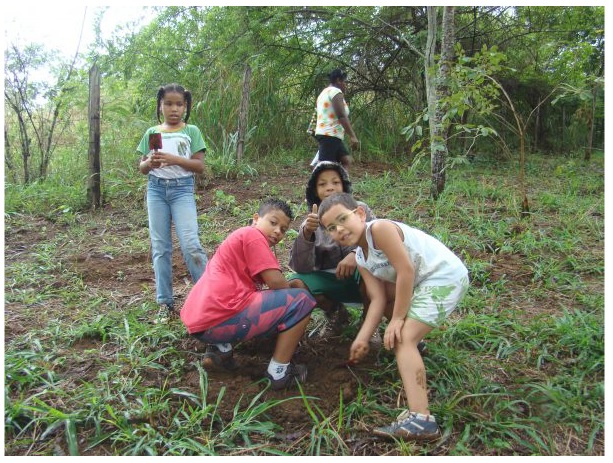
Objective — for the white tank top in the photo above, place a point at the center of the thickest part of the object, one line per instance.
(435, 264)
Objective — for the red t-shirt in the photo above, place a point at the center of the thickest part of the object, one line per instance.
(231, 278)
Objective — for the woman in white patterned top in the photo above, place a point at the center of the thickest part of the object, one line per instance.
(333, 121)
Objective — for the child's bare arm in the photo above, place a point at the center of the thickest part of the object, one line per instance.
(375, 290)
(274, 279)
(376, 293)
(389, 240)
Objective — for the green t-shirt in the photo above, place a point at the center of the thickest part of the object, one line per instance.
(183, 142)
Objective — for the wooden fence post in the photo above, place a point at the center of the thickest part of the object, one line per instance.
(242, 116)
(93, 186)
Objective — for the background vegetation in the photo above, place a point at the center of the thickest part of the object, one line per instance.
(548, 60)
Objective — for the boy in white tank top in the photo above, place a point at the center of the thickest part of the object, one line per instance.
(411, 278)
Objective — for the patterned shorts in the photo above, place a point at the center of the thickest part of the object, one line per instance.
(269, 312)
(433, 304)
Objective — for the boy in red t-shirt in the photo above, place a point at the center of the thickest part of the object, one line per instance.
(229, 304)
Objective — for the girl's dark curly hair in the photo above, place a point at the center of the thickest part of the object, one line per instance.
(311, 188)
(174, 88)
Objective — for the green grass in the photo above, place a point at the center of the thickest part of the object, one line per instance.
(518, 370)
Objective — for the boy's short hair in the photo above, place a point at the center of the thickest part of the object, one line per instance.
(273, 204)
(344, 199)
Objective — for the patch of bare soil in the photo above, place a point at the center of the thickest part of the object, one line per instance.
(129, 278)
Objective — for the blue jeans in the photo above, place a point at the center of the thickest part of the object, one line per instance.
(173, 200)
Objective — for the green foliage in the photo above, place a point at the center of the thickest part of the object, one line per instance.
(472, 97)
(54, 200)
(290, 50)
(223, 161)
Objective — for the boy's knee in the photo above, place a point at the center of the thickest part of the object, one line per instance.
(297, 284)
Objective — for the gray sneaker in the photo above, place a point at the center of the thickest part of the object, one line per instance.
(422, 347)
(214, 359)
(376, 341)
(295, 372)
(411, 426)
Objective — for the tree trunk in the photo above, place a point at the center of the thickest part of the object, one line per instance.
(93, 189)
(590, 134)
(563, 131)
(437, 89)
(25, 147)
(242, 116)
(7, 150)
(431, 83)
(537, 122)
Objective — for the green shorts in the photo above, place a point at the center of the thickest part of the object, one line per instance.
(322, 282)
(433, 304)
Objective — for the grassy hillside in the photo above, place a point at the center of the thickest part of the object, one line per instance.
(518, 370)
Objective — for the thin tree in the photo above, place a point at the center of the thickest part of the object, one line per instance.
(20, 94)
(243, 115)
(93, 184)
(437, 89)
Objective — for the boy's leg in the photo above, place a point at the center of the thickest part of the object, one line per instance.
(430, 306)
(415, 423)
(411, 365)
(288, 340)
(269, 312)
(284, 311)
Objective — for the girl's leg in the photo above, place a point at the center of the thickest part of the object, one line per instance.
(185, 217)
(161, 240)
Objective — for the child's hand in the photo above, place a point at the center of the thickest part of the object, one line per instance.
(163, 159)
(346, 267)
(359, 349)
(393, 333)
(153, 164)
(312, 221)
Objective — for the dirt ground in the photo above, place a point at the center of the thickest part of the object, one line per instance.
(324, 355)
